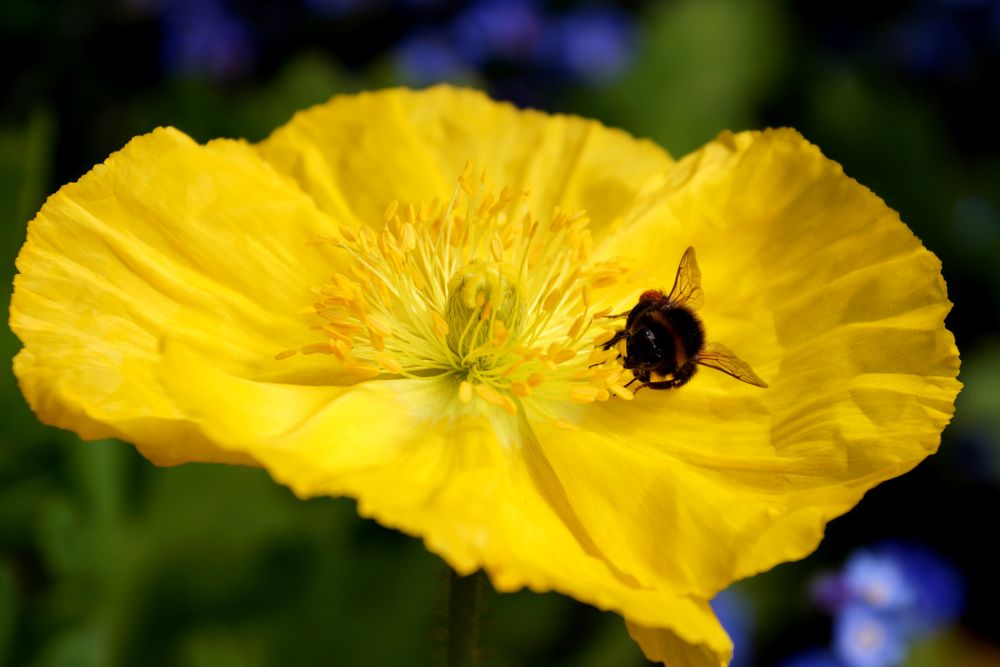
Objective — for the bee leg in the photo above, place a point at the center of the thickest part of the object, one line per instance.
(619, 335)
(627, 384)
(643, 382)
(601, 363)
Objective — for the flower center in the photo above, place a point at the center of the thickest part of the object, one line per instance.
(484, 303)
(479, 290)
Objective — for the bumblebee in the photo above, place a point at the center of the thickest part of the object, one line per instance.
(665, 340)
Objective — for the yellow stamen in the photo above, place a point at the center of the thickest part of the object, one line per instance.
(621, 392)
(563, 356)
(388, 362)
(439, 325)
(347, 233)
(603, 337)
(519, 388)
(390, 210)
(478, 288)
(584, 394)
(577, 327)
(363, 371)
(565, 425)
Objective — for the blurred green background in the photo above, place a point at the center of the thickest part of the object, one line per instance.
(106, 560)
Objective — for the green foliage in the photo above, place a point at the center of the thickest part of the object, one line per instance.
(703, 66)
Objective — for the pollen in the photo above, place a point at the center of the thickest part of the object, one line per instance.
(479, 289)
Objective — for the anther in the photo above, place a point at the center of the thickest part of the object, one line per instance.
(390, 210)
(388, 362)
(621, 392)
(584, 394)
(439, 325)
(522, 389)
(602, 338)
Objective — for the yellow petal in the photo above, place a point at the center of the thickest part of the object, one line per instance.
(206, 243)
(677, 650)
(817, 284)
(355, 154)
(475, 487)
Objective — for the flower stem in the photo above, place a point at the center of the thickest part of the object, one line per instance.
(464, 595)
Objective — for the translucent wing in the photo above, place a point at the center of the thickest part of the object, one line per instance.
(687, 285)
(721, 358)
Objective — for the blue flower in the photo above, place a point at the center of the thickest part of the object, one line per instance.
(864, 637)
(595, 44)
(884, 598)
(878, 580)
(736, 614)
(495, 30)
(938, 590)
(428, 57)
(205, 38)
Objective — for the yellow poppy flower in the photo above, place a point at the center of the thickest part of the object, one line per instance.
(352, 306)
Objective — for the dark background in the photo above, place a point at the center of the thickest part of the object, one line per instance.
(106, 560)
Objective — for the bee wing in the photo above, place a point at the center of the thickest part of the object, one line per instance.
(721, 358)
(687, 285)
